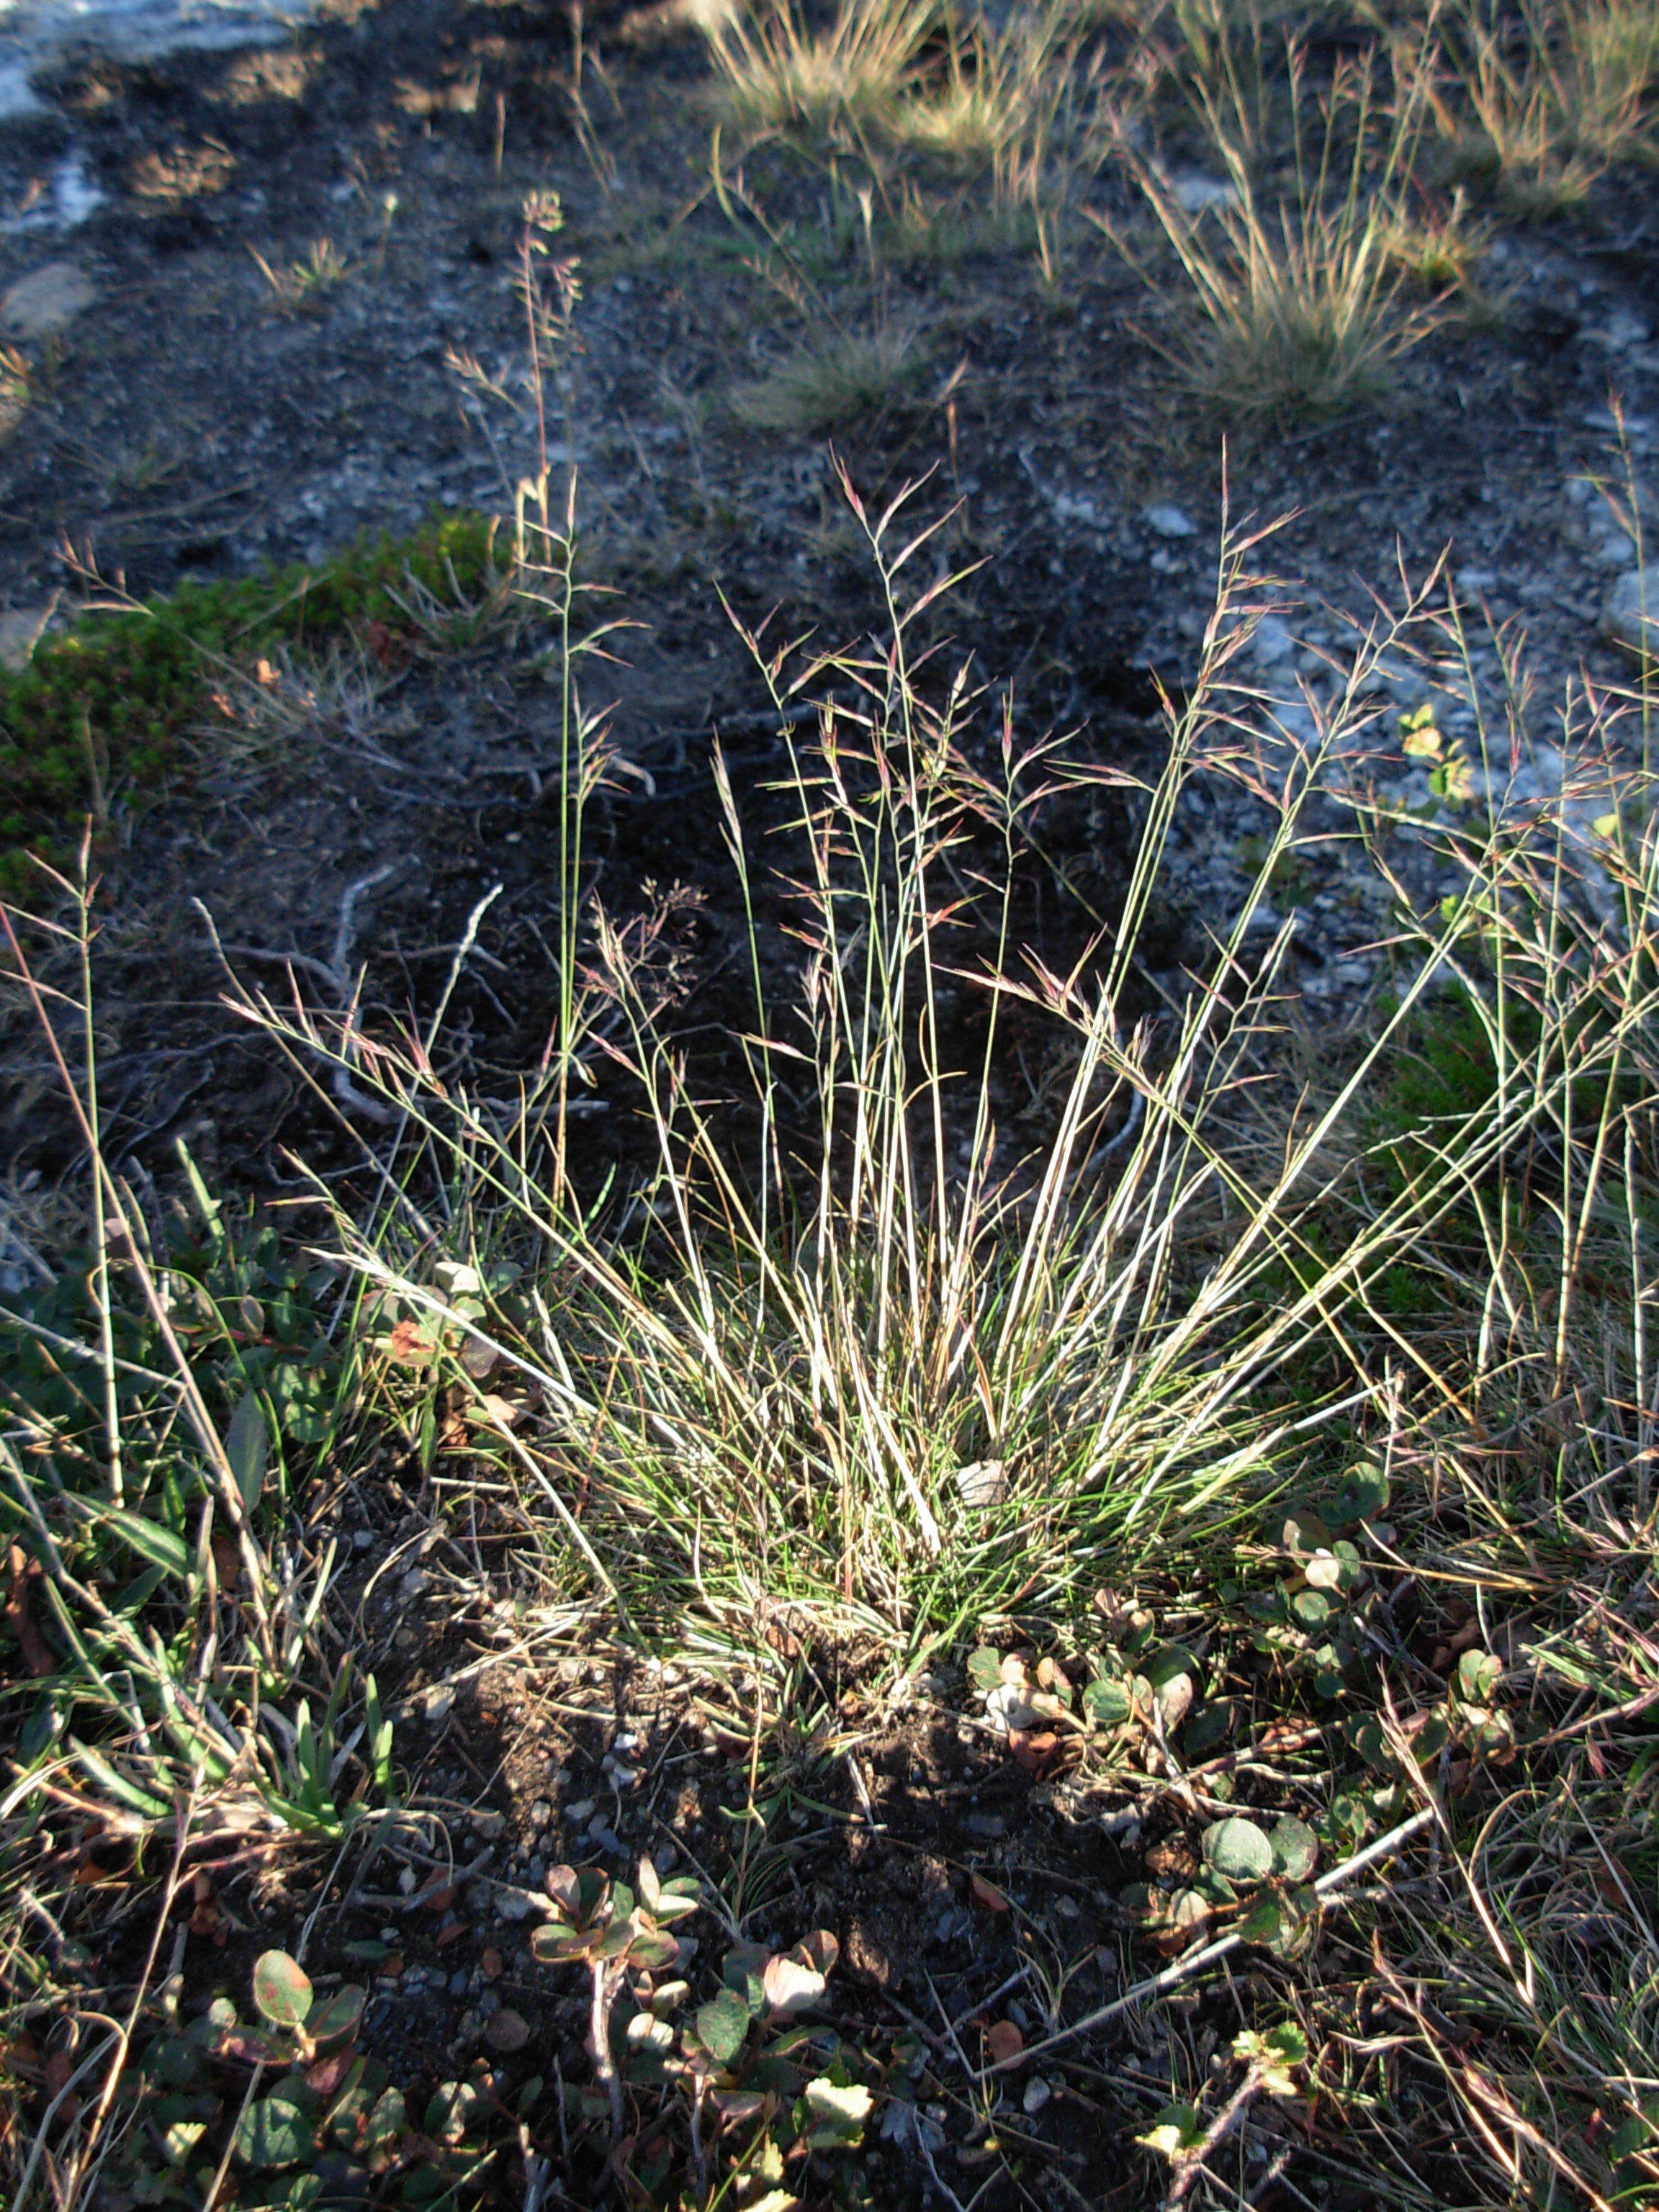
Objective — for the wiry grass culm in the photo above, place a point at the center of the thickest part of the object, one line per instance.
(1341, 1362)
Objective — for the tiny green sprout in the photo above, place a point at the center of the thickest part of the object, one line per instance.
(1478, 1674)
(1272, 2057)
(1176, 2130)
(1419, 740)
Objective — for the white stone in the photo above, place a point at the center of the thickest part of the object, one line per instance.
(1193, 194)
(1631, 616)
(1271, 642)
(1170, 522)
(46, 302)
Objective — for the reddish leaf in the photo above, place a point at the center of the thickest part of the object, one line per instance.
(327, 2075)
(821, 1948)
(987, 1893)
(491, 1965)
(437, 1895)
(59, 2067)
(248, 2044)
(790, 1986)
(37, 1655)
(1004, 2041)
(563, 1887)
(1035, 1750)
(407, 1345)
(736, 2105)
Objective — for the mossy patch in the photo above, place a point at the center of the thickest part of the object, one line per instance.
(112, 699)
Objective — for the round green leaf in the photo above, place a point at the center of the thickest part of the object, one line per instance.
(1477, 1676)
(274, 2132)
(1303, 1531)
(985, 1669)
(1312, 1608)
(1238, 1849)
(1106, 1704)
(838, 2114)
(1363, 1496)
(281, 1990)
(450, 2108)
(722, 2024)
(1295, 1849)
(1175, 2129)
(386, 2125)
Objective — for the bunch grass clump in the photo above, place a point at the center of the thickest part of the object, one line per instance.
(777, 73)
(859, 1356)
(1551, 96)
(825, 385)
(992, 94)
(1297, 305)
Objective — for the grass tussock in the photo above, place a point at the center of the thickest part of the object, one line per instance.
(776, 72)
(824, 386)
(1274, 1410)
(1548, 97)
(991, 99)
(1297, 300)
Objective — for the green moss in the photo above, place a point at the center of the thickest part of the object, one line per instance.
(119, 690)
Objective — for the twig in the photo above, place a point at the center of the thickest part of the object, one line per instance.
(1325, 1888)
(1191, 2162)
(1003, 1990)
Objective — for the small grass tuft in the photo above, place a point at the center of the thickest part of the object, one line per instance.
(778, 74)
(1296, 292)
(824, 386)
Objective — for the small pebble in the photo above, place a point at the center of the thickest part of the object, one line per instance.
(1037, 2094)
